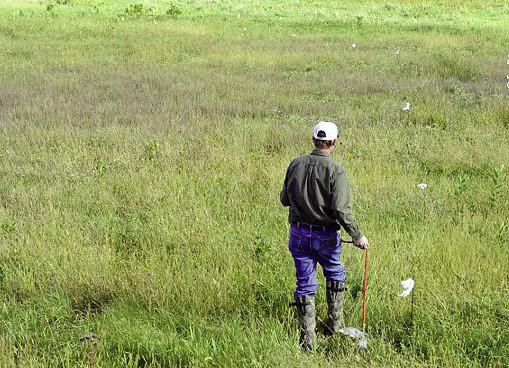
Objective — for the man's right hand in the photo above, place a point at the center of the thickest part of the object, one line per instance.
(362, 243)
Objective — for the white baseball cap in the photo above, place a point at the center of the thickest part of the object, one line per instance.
(325, 131)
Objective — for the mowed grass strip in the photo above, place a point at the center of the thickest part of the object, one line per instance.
(141, 164)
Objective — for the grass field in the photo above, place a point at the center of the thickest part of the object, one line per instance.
(143, 145)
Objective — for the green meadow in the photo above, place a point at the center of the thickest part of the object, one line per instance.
(143, 145)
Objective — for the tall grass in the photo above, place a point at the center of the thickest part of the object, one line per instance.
(141, 163)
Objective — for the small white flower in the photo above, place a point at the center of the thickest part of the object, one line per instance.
(363, 343)
(354, 45)
(244, 29)
(408, 285)
(406, 107)
(397, 52)
(294, 35)
(422, 186)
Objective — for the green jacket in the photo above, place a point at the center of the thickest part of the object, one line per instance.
(316, 189)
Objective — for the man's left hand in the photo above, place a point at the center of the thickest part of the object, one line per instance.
(362, 243)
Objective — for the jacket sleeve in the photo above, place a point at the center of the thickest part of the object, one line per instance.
(341, 204)
(283, 196)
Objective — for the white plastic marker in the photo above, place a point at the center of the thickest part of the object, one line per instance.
(422, 186)
(355, 334)
(408, 285)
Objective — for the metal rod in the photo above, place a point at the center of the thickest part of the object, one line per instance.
(365, 288)
(364, 292)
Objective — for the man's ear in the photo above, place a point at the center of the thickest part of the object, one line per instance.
(334, 142)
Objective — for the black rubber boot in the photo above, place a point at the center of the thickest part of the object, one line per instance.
(334, 292)
(307, 320)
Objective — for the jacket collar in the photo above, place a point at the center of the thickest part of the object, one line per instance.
(317, 152)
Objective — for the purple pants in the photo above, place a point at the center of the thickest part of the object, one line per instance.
(308, 246)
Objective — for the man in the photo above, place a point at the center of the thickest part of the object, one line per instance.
(317, 191)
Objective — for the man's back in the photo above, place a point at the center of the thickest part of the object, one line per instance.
(308, 182)
(317, 191)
